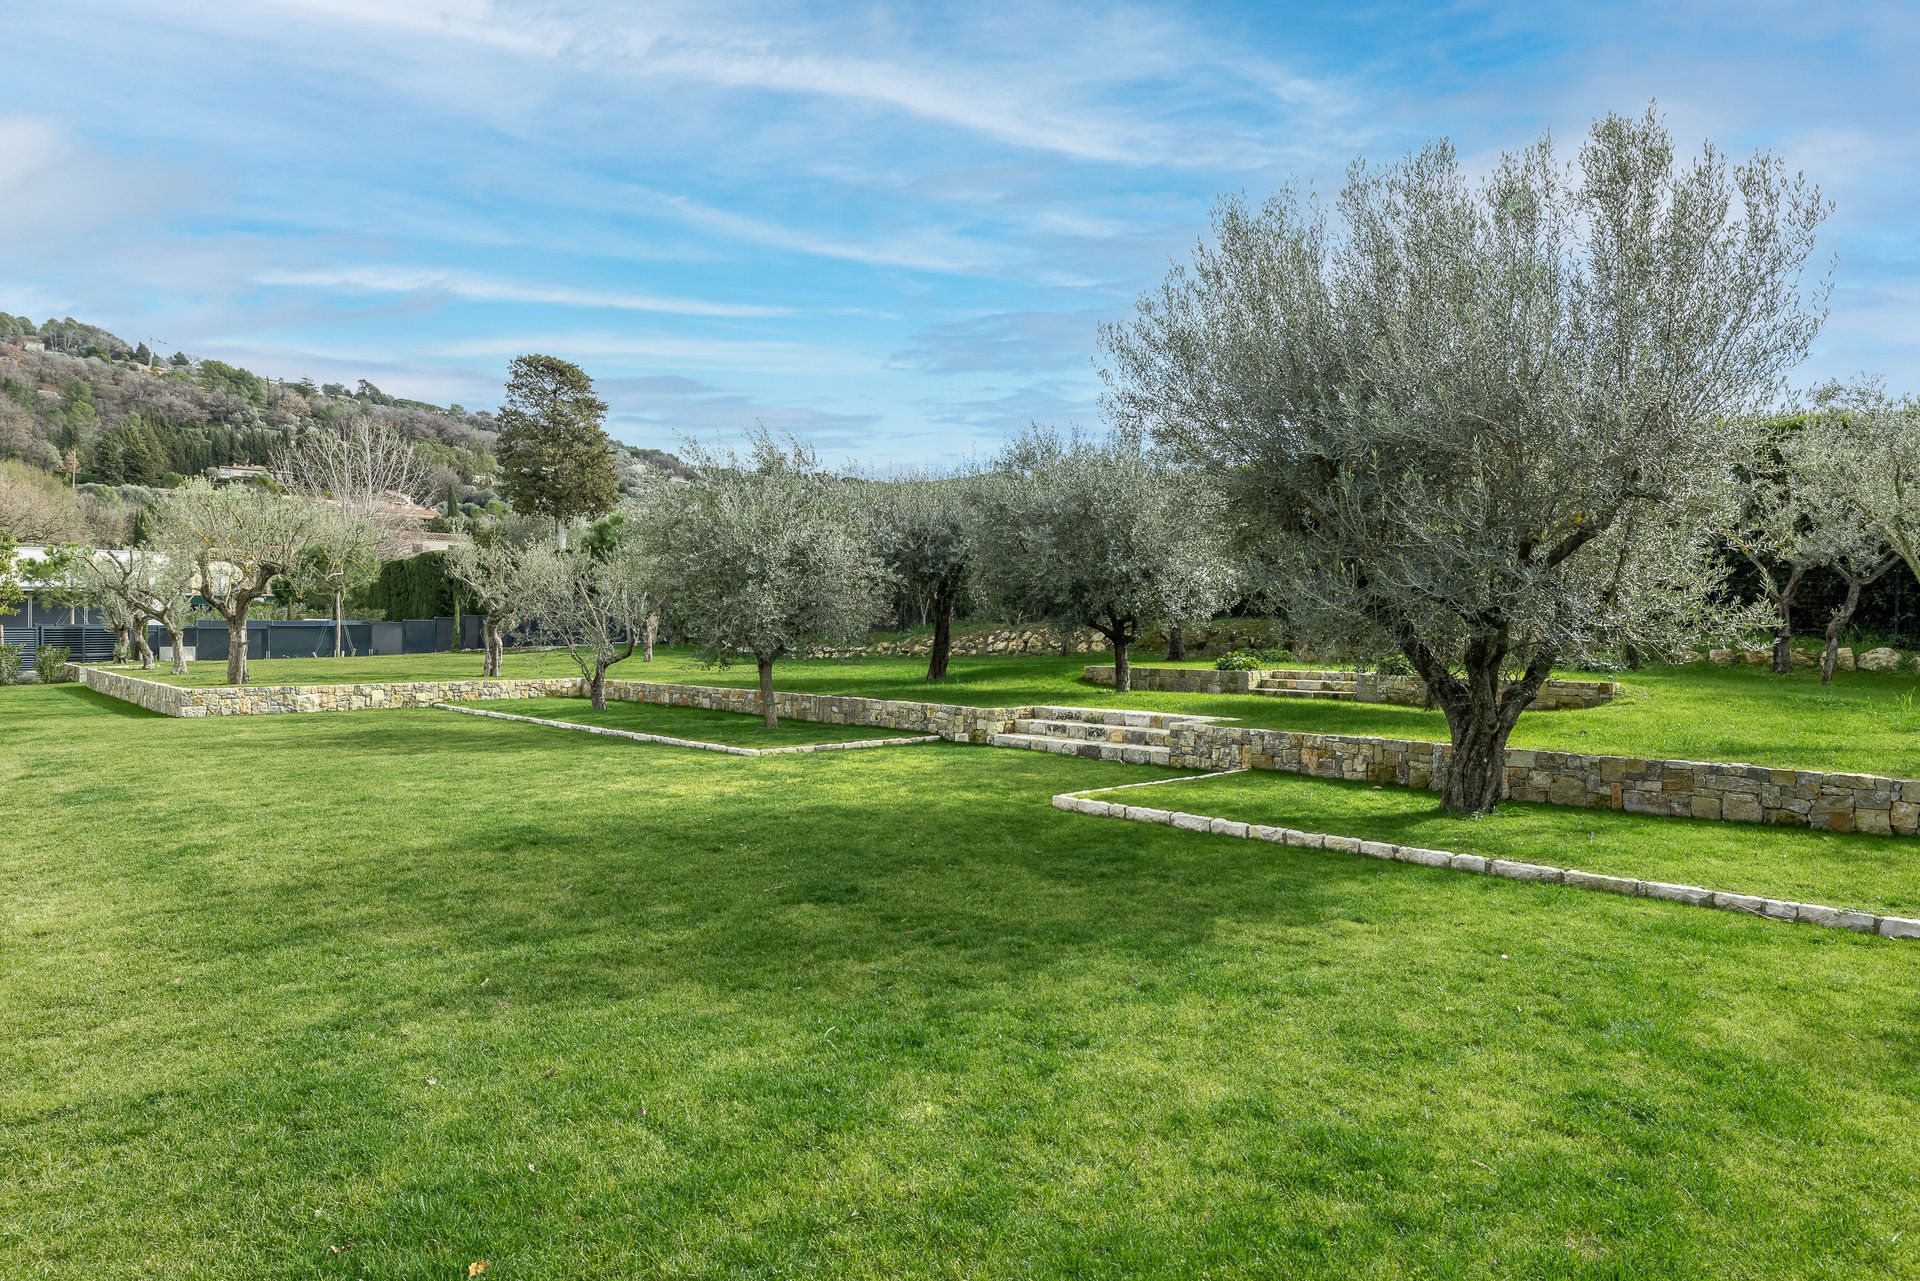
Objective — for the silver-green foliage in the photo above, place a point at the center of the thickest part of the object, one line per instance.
(1487, 422)
(238, 538)
(590, 596)
(1098, 532)
(491, 563)
(766, 554)
(926, 531)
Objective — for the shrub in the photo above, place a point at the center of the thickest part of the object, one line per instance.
(9, 664)
(1394, 665)
(50, 663)
(1240, 660)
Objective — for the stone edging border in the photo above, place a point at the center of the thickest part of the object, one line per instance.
(1892, 927)
(670, 741)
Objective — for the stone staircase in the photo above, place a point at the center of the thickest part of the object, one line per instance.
(1285, 683)
(1137, 738)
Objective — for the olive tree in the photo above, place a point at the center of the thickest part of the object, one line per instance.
(492, 565)
(924, 529)
(590, 597)
(1782, 526)
(136, 587)
(767, 555)
(1097, 532)
(1860, 455)
(1486, 423)
(238, 538)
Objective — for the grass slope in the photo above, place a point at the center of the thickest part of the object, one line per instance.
(1878, 873)
(1865, 722)
(730, 729)
(426, 989)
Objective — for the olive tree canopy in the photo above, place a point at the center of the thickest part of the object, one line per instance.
(1483, 422)
(1097, 532)
(238, 538)
(1859, 457)
(492, 564)
(925, 530)
(590, 597)
(767, 555)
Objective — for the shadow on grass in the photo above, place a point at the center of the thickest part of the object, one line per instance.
(73, 692)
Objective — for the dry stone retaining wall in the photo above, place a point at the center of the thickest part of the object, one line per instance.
(1835, 802)
(948, 720)
(265, 700)
(1368, 687)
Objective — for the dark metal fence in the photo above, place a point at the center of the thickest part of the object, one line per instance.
(78, 630)
(81, 631)
(313, 637)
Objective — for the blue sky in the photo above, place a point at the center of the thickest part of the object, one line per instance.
(890, 229)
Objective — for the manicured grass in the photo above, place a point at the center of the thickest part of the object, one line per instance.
(425, 990)
(1865, 722)
(1878, 873)
(732, 729)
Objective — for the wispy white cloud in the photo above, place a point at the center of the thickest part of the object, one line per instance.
(928, 250)
(747, 355)
(458, 284)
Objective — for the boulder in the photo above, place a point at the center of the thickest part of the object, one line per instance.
(1720, 657)
(1684, 656)
(1758, 657)
(1881, 659)
(1843, 659)
(1803, 659)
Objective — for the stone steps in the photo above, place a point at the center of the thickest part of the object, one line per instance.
(1338, 695)
(1131, 754)
(1281, 683)
(1093, 732)
(1114, 716)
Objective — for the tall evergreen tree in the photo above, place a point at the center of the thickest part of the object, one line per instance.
(555, 458)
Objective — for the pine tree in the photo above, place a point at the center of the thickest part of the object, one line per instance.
(555, 458)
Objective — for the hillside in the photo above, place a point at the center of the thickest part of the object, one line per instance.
(112, 422)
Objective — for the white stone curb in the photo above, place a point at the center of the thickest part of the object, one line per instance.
(670, 741)
(1893, 927)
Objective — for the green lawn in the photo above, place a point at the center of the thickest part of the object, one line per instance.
(1877, 873)
(425, 989)
(732, 729)
(1866, 721)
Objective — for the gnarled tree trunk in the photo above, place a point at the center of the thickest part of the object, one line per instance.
(1120, 634)
(490, 645)
(1176, 642)
(652, 634)
(1481, 710)
(942, 648)
(597, 687)
(176, 642)
(1843, 614)
(768, 717)
(339, 622)
(237, 648)
(1783, 626)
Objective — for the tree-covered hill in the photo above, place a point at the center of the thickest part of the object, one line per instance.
(112, 421)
